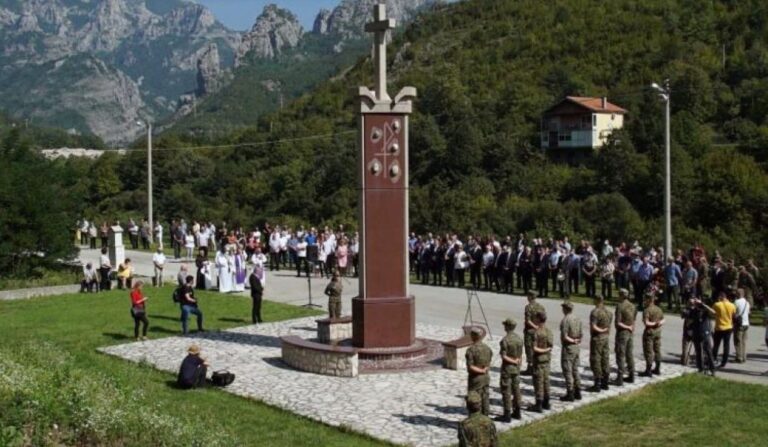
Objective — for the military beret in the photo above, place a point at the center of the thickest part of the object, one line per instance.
(567, 305)
(509, 322)
(474, 398)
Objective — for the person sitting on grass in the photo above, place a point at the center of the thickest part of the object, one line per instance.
(90, 282)
(189, 306)
(193, 369)
(139, 311)
(125, 274)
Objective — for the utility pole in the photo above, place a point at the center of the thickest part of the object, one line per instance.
(150, 218)
(665, 93)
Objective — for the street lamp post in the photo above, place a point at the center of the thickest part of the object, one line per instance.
(149, 179)
(665, 93)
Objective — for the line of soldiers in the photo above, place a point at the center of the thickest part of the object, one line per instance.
(537, 344)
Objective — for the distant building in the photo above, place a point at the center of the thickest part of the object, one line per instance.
(575, 126)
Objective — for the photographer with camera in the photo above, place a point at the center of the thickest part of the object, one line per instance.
(698, 329)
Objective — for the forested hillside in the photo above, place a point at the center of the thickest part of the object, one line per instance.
(486, 70)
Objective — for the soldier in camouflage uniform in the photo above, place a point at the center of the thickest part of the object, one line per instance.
(625, 329)
(653, 318)
(570, 337)
(599, 353)
(478, 366)
(542, 354)
(511, 355)
(477, 430)
(531, 309)
(333, 290)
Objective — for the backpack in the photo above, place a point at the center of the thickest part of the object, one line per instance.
(222, 378)
(176, 295)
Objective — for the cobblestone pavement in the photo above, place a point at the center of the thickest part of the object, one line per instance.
(412, 408)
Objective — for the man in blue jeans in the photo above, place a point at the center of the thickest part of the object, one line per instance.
(189, 306)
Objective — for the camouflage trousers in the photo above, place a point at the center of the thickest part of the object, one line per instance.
(541, 379)
(624, 358)
(599, 357)
(510, 391)
(528, 345)
(334, 308)
(479, 386)
(569, 359)
(651, 348)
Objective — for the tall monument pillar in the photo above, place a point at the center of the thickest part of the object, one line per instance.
(384, 314)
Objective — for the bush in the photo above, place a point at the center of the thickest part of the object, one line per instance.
(46, 400)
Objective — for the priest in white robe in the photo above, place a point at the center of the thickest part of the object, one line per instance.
(225, 270)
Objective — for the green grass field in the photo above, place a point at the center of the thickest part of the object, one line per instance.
(53, 341)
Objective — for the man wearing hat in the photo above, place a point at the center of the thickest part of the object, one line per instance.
(531, 309)
(599, 354)
(570, 337)
(625, 329)
(478, 359)
(511, 354)
(478, 429)
(653, 318)
(193, 369)
(333, 290)
(542, 352)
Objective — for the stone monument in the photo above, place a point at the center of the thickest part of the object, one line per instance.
(384, 313)
(116, 247)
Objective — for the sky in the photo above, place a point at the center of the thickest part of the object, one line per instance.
(240, 15)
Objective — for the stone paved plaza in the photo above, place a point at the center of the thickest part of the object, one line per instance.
(414, 408)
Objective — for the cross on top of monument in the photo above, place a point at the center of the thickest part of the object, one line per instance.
(380, 26)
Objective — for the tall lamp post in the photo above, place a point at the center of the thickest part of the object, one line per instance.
(148, 125)
(665, 93)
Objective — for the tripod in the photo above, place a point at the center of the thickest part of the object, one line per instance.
(309, 288)
(472, 293)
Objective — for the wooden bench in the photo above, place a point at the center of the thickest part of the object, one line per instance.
(332, 330)
(319, 358)
(454, 351)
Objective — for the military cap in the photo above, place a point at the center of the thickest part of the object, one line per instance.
(567, 305)
(623, 292)
(474, 399)
(509, 322)
(476, 331)
(649, 296)
(531, 295)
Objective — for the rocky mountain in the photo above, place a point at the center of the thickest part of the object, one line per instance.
(277, 61)
(96, 65)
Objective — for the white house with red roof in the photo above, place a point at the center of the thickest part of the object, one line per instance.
(579, 124)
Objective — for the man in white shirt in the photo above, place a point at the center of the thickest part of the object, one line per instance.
(158, 259)
(274, 250)
(158, 234)
(741, 326)
(203, 236)
(301, 257)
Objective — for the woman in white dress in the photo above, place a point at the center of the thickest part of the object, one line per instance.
(224, 267)
(189, 244)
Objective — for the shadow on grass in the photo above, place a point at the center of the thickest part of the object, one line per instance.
(240, 338)
(164, 317)
(116, 336)
(162, 330)
(235, 320)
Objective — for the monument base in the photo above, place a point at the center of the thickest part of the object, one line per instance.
(383, 322)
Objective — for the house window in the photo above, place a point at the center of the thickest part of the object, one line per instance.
(544, 137)
(594, 120)
(613, 116)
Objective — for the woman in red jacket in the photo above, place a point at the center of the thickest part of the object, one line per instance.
(139, 311)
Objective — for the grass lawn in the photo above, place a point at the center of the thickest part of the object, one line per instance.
(692, 410)
(63, 276)
(77, 324)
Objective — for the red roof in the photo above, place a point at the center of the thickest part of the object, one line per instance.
(595, 104)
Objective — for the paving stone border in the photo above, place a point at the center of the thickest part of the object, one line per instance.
(419, 408)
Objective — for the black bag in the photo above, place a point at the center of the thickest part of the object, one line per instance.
(176, 295)
(222, 378)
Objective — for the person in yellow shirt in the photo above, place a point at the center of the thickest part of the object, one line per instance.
(724, 312)
(125, 275)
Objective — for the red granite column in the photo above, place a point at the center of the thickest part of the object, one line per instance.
(384, 313)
